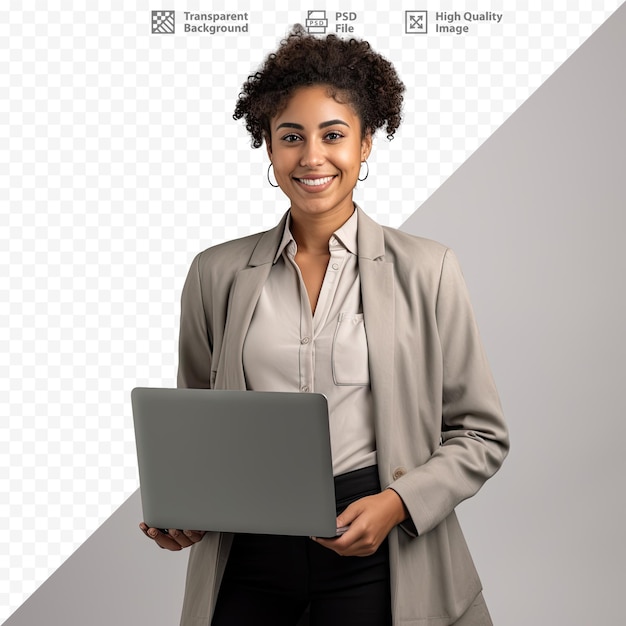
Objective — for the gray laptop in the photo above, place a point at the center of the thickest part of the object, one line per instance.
(236, 461)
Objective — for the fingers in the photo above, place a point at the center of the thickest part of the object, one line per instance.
(173, 539)
(179, 538)
(194, 535)
(349, 514)
(354, 542)
(370, 520)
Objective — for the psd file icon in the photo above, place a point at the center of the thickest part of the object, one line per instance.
(316, 22)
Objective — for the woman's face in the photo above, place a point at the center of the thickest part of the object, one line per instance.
(317, 149)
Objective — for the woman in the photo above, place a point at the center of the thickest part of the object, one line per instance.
(376, 319)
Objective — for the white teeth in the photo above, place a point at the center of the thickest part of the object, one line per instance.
(314, 182)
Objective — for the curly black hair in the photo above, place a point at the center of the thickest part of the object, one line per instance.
(350, 68)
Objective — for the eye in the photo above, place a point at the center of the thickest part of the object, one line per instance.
(290, 138)
(333, 135)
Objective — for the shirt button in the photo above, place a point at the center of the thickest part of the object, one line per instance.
(335, 266)
(305, 388)
(399, 472)
(304, 340)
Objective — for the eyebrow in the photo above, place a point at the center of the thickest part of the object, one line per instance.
(322, 125)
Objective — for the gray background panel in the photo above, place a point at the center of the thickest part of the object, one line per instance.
(537, 218)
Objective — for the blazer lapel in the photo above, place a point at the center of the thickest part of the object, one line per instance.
(243, 297)
(377, 293)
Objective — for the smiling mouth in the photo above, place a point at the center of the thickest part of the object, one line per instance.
(315, 182)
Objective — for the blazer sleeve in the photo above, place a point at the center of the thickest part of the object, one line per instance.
(195, 341)
(474, 436)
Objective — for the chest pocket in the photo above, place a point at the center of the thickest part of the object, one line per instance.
(349, 352)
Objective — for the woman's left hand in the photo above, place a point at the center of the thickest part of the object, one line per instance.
(370, 520)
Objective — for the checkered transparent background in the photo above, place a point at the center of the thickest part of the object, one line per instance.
(120, 160)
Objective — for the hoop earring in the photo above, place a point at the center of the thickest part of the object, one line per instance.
(367, 173)
(268, 176)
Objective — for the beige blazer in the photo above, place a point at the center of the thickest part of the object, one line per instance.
(440, 432)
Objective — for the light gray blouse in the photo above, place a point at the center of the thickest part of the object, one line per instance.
(289, 348)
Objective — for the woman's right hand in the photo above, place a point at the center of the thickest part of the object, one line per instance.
(173, 539)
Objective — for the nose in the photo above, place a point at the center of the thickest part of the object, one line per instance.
(312, 154)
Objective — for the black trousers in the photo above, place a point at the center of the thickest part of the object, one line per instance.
(270, 580)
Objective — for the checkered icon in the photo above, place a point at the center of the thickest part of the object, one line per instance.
(163, 22)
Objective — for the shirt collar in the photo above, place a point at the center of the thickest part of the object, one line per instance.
(345, 235)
